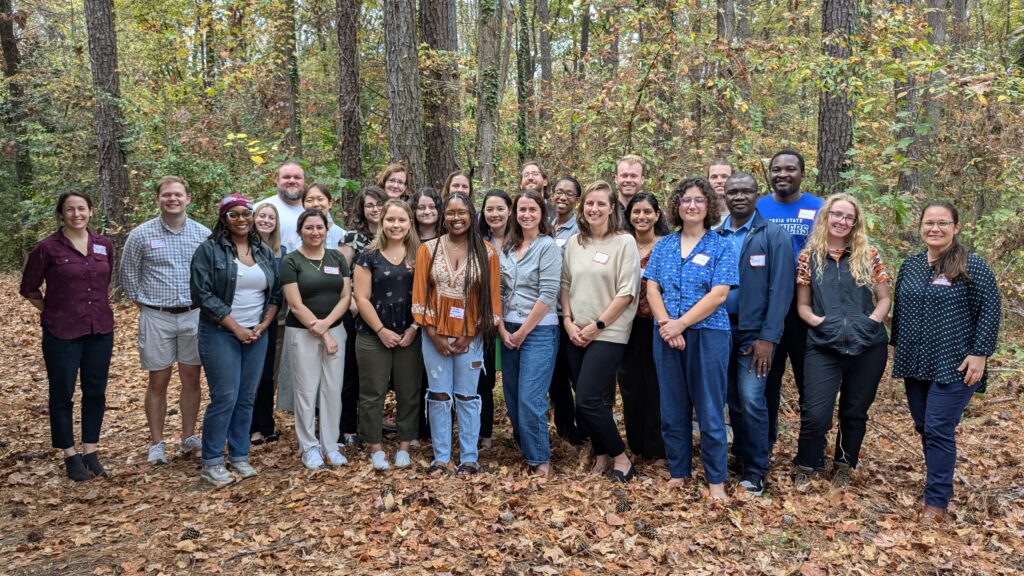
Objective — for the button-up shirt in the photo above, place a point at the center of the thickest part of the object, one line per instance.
(156, 260)
(76, 303)
(684, 281)
(736, 237)
(565, 231)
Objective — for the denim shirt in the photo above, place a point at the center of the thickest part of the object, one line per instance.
(532, 278)
(214, 273)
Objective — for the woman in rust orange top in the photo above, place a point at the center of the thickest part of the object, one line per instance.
(456, 300)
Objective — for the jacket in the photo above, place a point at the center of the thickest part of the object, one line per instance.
(214, 273)
(847, 328)
(767, 277)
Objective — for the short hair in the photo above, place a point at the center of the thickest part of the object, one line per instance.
(712, 216)
(170, 180)
(322, 188)
(740, 176)
(630, 159)
(788, 152)
(720, 162)
(382, 178)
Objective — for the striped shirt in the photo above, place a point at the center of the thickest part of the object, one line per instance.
(155, 262)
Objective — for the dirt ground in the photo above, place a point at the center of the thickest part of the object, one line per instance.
(162, 520)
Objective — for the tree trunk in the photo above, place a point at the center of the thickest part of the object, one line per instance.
(349, 128)
(958, 24)
(725, 21)
(14, 111)
(440, 88)
(524, 75)
(488, 57)
(106, 84)
(289, 81)
(835, 123)
(742, 19)
(546, 74)
(907, 112)
(506, 46)
(936, 37)
(581, 69)
(696, 79)
(612, 27)
(405, 111)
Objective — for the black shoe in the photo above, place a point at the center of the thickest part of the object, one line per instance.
(76, 468)
(752, 484)
(624, 476)
(92, 462)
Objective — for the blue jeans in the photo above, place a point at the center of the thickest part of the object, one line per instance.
(936, 409)
(455, 378)
(748, 413)
(526, 377)
(233, 372)
(694, 380)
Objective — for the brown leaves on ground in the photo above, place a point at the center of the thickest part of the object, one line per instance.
(162, 520)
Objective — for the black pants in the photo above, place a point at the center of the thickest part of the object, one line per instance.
(485, 388)
(641, 399)
(593, 369)
(794, 345)
(350, 383)
(65, 359)
(263, 405)
(855, 380)
(560, 390)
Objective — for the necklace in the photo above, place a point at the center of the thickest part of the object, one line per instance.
(647, 245)
(319, 266)
(394, 260)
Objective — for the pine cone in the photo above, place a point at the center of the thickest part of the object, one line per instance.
(190, 533)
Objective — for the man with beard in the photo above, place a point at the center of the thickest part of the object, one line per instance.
(291, 180)
(629, 179)
(794, 210)
(757, 312)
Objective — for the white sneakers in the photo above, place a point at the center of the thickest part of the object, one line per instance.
(336, 458)
(402, 459)
(191, 444)
(380, 460)
(314, 458)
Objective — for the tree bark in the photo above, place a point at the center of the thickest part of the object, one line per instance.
(401, 62)
(835, 123)
(936, 37)
(546, 74)
(440, 88)
(285, 39)
(488, 83)
(742, 20)
(612, 27)
(907, 111)
(113, 176)
(524, 76)
(349, 127)
(14, 111)
(958, 24)
(725, 21)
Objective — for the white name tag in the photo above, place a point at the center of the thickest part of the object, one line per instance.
(701, 259)
(98, 249)
(806, 214)
(601, 258)
(642, 272)
(157, 243)
(457, 313)
(941, 280)
(757, 260)
(332, 270)
(560, 242)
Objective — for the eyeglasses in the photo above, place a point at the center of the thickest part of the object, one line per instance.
(456, 214)
(531, 174)
(395, 182)
(237, 215)
(566, 193)
(695, 200)
(840, 217)
(943, 224)
(372, 206)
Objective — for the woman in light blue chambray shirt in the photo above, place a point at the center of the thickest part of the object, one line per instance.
(531, 264)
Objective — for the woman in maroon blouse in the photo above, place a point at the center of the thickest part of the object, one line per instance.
(78, 326)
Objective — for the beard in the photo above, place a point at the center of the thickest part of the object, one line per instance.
(289, 194)
(787, 191)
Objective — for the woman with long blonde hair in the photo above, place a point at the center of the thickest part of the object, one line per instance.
(843, 295)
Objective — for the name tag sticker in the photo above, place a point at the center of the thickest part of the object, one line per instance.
(560, 242)
(701, 259)
(642, 272)
(601, 258)
(941, 280)
(457, 313)
(806, 214)
(157, 243)
(99, 249)
(757, 260)
(332, 270)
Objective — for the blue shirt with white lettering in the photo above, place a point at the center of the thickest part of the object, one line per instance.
(684, 281)
(796, 218)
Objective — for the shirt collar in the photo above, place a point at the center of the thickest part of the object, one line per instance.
(727, 225)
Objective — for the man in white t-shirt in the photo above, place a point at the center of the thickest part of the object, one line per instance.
(291, 180)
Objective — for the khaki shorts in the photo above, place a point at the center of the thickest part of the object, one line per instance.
(166, 338)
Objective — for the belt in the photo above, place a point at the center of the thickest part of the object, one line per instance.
(173, 309)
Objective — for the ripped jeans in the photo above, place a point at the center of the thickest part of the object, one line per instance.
(455, 378)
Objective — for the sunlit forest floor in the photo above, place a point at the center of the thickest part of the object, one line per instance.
(162, 520)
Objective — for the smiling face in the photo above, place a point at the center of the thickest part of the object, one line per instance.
(291, 179)
(842, 217)
(564, 196)
(528, 214)
(395, 185)
(717, 175)
(693, 206)
(456, 217)
(372, 209)
(459, 184)
(786, 175)
(643, 216)
(173, 199)
(238, 221)
(75, 213)
(312, 232)
(531, 177)
(629, 179)
(426, 211)
(265, 221)
(495, 212)
(938, 228)
(597, 205)
(741, 197)
(316, 199)
(396, 224)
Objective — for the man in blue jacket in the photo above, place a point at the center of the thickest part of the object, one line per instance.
(757, 313)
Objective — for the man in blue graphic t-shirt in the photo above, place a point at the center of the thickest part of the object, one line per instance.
(794, 210)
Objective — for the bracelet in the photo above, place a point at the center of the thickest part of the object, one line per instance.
(379, 329)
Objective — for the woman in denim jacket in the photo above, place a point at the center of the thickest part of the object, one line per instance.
(234, 282)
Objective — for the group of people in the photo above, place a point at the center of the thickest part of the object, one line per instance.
(692, 310)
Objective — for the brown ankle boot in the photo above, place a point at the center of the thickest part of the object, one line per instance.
(932, 515)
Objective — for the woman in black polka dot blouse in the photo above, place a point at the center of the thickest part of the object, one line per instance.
(944, 328)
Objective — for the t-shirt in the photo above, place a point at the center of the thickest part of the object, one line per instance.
(685, 281)
(596, 274)
(250, 295)
(320, 282)
(796, 218)
(390, 292)
(287, 217)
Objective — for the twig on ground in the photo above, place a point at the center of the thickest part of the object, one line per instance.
(270, 548)
(892, 435)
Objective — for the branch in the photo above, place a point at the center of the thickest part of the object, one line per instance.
(270, 548)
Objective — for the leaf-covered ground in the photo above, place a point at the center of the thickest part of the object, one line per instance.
(162, 520)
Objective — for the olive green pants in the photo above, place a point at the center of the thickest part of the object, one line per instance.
(378, 366)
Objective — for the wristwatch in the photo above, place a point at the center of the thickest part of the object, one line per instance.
(600, 324)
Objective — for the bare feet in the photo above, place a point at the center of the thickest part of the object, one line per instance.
(677, 483)
(486, 443)
(717, 492)
(541, 470)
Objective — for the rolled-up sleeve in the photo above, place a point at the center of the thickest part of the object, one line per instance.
(34, 273)
(201, 283)
(627, 282)
(131, 266)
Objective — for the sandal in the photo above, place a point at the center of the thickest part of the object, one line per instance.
(256, 441)
(467, 469)
(437, 469)
(272, 437)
